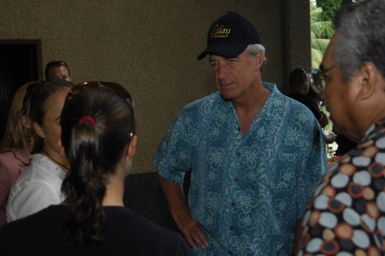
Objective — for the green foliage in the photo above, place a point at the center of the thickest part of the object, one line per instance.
(329, 8)
(321, 15)
(321, 32)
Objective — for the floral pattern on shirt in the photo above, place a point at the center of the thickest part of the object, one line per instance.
(247, 191)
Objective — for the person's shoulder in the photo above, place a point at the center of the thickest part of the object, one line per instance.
(143, 232)
(11, 160)
(290, 106)
(36, 176)
(276, 95)
(298, 107)
(31, 222)
(8, 164)
(293, 100)
(199, 108)
(208, 99)
(40, 167)
(132, 218)
(39, 160)
(137, 222)
(32, 228)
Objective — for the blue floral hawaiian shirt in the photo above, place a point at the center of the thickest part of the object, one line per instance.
(247, 191)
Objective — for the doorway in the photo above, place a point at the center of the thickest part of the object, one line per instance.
(20, 62)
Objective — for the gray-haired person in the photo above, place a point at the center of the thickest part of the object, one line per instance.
(347, 214)
(255, 154)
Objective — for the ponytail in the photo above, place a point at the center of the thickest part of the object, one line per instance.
(84, 185)
(97, 125)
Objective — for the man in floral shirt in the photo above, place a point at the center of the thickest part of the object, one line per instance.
(255, 154)
(347, 213)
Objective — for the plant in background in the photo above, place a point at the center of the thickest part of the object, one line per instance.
(321, 32)
(329, 8)
(321, 15)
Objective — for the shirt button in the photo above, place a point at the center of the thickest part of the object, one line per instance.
(237, 152)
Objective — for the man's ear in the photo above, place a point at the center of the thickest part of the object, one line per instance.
(260, 58)
(367, 81)
(38, 129)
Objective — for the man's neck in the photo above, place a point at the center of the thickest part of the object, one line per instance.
(249, 106)
(252, 100)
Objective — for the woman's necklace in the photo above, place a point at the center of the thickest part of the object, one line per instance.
(65, 168)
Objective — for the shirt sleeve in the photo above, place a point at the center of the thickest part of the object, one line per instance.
(174, 154)
(315, 166)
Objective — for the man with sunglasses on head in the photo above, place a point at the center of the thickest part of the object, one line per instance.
(255, 154)
(347, 214)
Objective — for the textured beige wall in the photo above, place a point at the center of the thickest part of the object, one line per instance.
(148, 46)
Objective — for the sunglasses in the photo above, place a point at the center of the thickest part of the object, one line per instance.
(28, 95)
(320, 83)
(114, 87)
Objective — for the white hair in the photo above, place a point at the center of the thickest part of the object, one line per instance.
(254, 49)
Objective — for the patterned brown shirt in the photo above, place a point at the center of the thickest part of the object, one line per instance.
(347, 213)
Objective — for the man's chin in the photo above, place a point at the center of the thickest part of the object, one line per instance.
(225, 97)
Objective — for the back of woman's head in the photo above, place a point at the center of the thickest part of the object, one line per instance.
(297, 77)
(18, 135)
(97, 126)
(39, 98)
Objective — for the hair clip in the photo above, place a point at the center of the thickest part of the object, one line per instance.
(89, 119)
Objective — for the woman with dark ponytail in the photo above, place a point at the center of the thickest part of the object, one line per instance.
(98, 135)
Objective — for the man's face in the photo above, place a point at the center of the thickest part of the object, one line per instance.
(60, 72)
(339, 95)
(234, 76)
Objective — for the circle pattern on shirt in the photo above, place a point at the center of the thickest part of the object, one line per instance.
(347, 216)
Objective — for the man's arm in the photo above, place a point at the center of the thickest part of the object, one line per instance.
(190, 228)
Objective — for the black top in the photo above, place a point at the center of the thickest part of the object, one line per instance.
(126, 233)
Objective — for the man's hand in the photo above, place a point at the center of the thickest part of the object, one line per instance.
(190, 228)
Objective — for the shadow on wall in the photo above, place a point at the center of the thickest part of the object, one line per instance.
(144, 195)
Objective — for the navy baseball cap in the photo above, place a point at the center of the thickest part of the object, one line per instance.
(229, 36)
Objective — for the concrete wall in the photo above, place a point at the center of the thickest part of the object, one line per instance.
(150, 47)
(296, 31)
